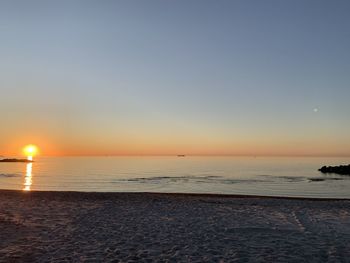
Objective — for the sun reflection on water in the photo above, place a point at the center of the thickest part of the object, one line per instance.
(28, 181)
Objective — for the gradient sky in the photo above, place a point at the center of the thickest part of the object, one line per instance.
(175, 77)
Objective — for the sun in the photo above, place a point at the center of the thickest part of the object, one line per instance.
(30, 151)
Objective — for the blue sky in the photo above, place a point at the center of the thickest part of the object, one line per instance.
(160, 77)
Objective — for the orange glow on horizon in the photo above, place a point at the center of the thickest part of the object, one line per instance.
(164, 146)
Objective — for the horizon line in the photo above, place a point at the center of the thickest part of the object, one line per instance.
(190, 155)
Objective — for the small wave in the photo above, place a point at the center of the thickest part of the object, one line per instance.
(286, 178)
(169, 178)
(318, 179)
(9, 175)
(191, 179)
(293, 178)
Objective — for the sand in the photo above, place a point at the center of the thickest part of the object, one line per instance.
(141, 227)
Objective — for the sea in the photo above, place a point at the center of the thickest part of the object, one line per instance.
(267, 176)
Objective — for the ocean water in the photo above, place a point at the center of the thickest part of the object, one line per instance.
(268, 176)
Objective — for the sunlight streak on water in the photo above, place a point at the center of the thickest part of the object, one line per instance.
(28, 179)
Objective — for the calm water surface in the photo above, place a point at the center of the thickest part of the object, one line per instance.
(226, 175)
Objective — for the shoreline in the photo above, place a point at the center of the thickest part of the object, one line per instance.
(167, 194)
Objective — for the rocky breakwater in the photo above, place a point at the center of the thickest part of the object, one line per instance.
(341, 169)
(15, 161)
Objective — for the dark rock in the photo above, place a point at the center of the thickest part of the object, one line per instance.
(342, 169)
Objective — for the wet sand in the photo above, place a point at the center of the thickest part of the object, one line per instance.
(145, 227)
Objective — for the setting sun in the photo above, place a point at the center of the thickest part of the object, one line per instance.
(30, 151)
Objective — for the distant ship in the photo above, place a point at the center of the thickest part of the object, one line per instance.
(181, 155)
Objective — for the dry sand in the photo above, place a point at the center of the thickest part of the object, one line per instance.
(139, 227)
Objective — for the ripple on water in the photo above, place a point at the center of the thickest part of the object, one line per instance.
(9, 175)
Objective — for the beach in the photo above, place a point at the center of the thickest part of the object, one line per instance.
(152, 227)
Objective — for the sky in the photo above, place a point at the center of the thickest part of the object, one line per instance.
(218, 77)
